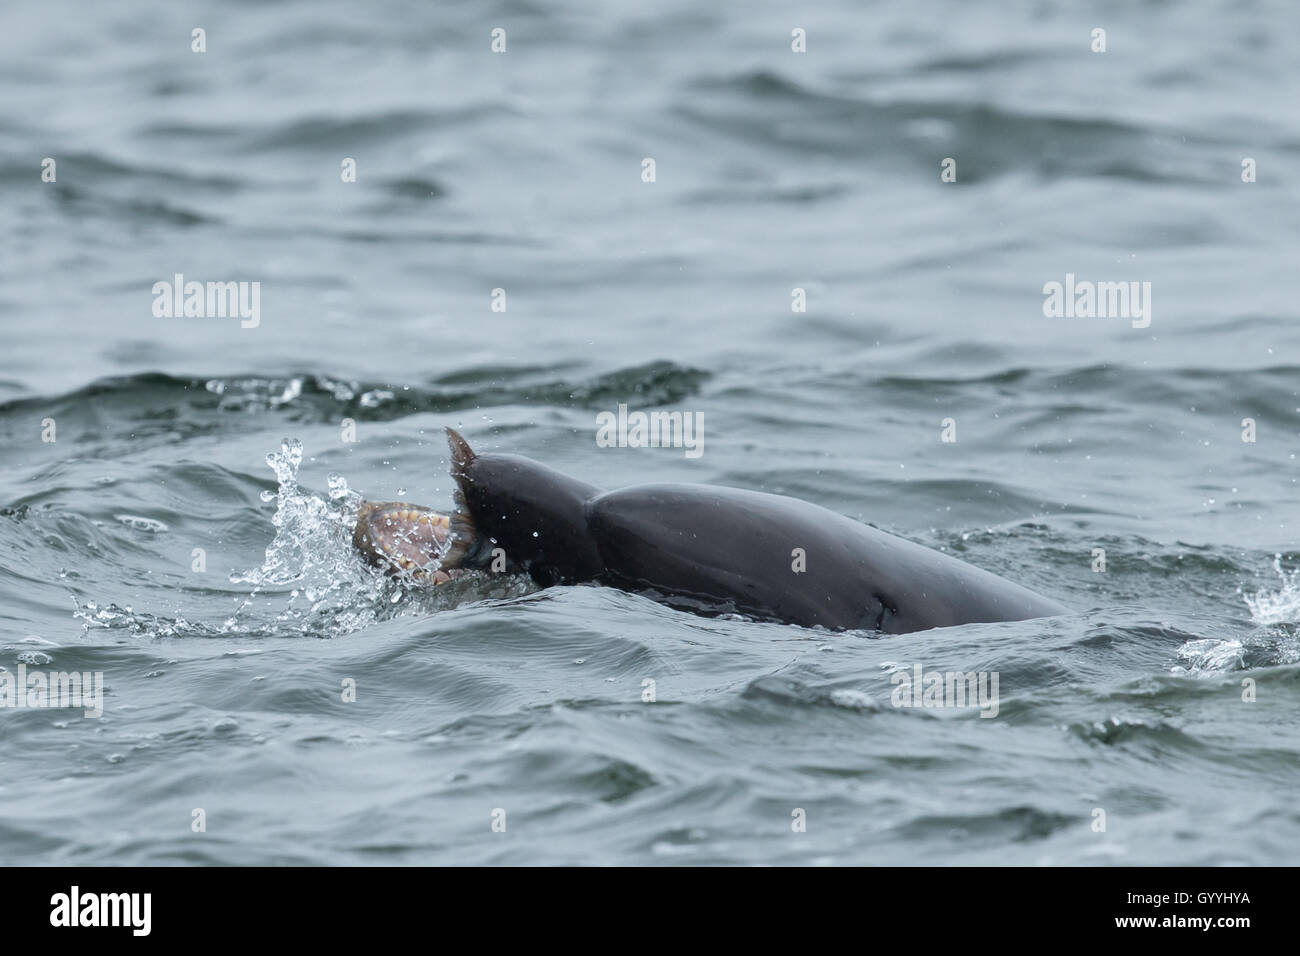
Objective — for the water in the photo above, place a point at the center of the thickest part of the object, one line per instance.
(521, 171)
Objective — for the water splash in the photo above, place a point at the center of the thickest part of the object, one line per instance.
(137, 623)
(311, 581)
(1209, 656)
(310, 560)
(309, 533)
(1277, 613)
(1281, 606)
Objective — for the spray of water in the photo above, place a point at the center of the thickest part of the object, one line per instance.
(1281, 606)
(310, 569)
(1277, 612)
(311, 581)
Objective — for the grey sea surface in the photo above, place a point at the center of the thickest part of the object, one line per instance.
(269, 700)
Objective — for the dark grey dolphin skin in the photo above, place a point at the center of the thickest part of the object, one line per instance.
(715, 550)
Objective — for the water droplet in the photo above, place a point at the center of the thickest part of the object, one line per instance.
(338, 486)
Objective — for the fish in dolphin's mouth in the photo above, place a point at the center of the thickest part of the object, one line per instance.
(406, 540)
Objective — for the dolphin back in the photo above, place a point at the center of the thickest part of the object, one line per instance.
(706, 548)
